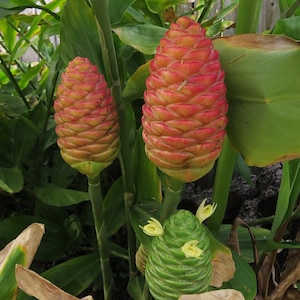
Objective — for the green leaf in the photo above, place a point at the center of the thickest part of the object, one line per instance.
(62, 174)
(55, 242)
(113, 208)
(136, 287)
(7, 273)
(12, 106)
(262, 236)
(11, 180)
(143, 37)
(117, 14)
(263, 100)
(9, 33)
(244, 279)
(288, 194)
(217, 27)
(289, 27)
(78, 33)
(72, 276)
(75, 275)
(147, 181)
(157, 6)
(30, 74)
(139, 216)
(15, 3)
(51, 194)
(135, 85)
(243, 169)
(25, 135)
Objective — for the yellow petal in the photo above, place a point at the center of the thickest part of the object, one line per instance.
(153, 228)
(190, 249)
(205, 211)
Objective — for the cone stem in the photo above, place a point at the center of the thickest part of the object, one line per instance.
(172, 192)
(95, 194)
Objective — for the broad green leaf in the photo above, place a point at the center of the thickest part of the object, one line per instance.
(147, 181)
(139, 216)
(75, 275)
(261, 238)
(79, 34)
(14, 3)
(289, 27)
(8, 31)
(117, 8)
(244, 278)
(113, 208)
(135, 85)
(143, 37)
(30, 74)
(263, 99)
(7, 273)
(52, 194)
(62, 174)
(12, 106)
(11, 180)
(25, 135)
(157, 6)
(218, 27)
(132, 16)
(136, 287)
(55, 242)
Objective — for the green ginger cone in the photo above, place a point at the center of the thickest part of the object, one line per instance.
(184, 115)
(179, 260)
(86, 118)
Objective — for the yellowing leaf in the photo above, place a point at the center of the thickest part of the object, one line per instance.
(227, 294)
(39, 287)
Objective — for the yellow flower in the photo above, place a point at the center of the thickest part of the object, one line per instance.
(190, 249)
(153, 228)
(205, 211)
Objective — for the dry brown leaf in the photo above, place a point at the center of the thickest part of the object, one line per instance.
(223, 268)
(41, 288)
(29, 239)
(226, 294)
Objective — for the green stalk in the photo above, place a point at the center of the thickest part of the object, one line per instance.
(95, 195)
(109, 56)
(172, 196)
(14, 82)
(223, 177)
(247, 22)
(292, 9)
(248, 16)
(205, 10)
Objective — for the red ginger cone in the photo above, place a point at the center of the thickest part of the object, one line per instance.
(86, 118)
(184, 115)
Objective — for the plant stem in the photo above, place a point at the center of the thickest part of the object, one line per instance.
(172, 196)
(14, 82)
(223, 177)
(248, 16)
(95, 194)
(109, 56)
(205, 10)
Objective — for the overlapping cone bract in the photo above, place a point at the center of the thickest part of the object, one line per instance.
(86, 118)
(184, 115)
(169, 272)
